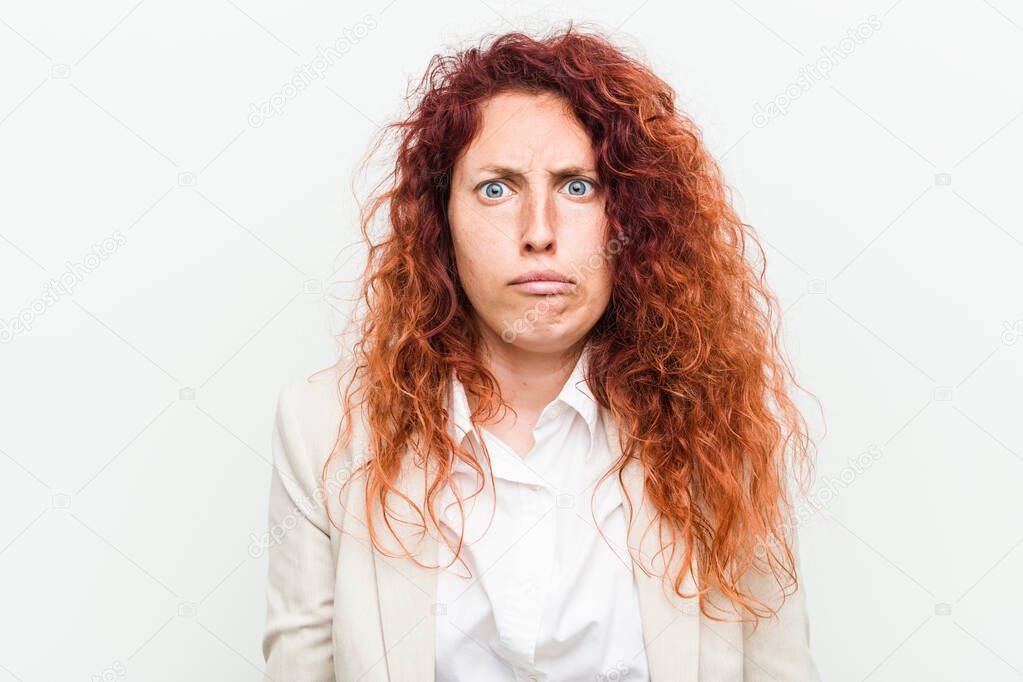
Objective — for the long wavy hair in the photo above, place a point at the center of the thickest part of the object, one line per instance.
(685, 358)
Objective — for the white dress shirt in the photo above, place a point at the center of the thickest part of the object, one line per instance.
(549, 600)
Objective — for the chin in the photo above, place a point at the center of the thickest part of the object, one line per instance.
(542, 340)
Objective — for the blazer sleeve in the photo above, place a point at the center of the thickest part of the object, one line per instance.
(779, 649)
(297, 642)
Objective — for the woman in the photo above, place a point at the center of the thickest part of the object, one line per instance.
(559, 450)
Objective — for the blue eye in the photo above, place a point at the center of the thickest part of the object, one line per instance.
(577, 187)
(494, 189)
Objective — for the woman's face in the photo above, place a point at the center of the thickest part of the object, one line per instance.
(525, 199)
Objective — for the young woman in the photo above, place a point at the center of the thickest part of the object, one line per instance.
(560, 449)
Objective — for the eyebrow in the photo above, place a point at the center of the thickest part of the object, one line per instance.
(508, 171)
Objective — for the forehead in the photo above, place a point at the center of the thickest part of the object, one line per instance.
(531, 131)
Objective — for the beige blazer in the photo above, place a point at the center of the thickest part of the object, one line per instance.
(339, 610)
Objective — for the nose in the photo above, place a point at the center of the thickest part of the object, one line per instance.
(539, 220)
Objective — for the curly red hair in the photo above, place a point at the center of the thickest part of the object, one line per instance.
(686, 356)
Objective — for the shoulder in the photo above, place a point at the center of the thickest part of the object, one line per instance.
(308, 423)
(312, 402)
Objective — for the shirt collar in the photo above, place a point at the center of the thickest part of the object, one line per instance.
(575, 393)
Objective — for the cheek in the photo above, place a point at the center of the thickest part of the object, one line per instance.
(594, 270)
(462, 245)
(596, 256)
(468, 269)
(477, 248)
(599, 289)
(464, 225)
(476, 270)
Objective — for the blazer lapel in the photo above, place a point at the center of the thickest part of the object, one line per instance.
(406, 592)
(671, 625)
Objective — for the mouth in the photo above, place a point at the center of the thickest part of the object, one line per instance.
(544, 287)
(543, 282)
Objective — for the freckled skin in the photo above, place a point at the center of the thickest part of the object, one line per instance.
(504, 225)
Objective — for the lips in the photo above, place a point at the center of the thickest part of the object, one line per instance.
(543, 282)
(544, 287)
(542, 276)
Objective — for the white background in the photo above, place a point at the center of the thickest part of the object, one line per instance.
(137, 409)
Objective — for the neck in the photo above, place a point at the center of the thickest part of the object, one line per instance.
(528, 379)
